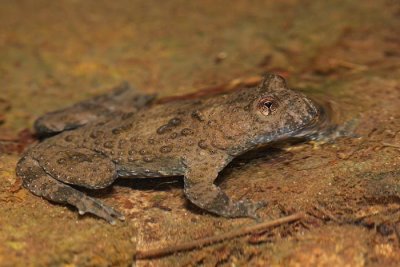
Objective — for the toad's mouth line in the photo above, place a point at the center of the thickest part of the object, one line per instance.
(310, 127)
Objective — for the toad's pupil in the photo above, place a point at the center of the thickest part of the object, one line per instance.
(268, 104)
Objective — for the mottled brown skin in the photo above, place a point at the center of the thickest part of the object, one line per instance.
(193, 138)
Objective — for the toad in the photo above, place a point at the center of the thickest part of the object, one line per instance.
(123, 134)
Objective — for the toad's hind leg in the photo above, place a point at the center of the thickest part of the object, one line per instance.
(121, 100)
(42, 184)
(77, 166)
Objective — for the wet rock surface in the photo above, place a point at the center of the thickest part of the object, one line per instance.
(344, 53)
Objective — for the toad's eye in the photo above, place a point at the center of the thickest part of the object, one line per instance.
(267, 105)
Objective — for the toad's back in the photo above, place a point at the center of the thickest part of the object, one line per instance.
(162, 132)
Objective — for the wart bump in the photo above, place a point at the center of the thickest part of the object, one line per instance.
(69, 138)
(116, 131)
(108, 144)
(147, 159)
(187, 131)
(165, 149)
(198, 115)
(202, 144)
(163, 129)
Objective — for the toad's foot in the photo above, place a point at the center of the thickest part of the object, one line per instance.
(248, 208)
(200, 190)
(214, 200)
(42, 184)
(90, 205)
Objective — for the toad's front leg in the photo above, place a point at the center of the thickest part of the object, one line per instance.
(201, 190)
